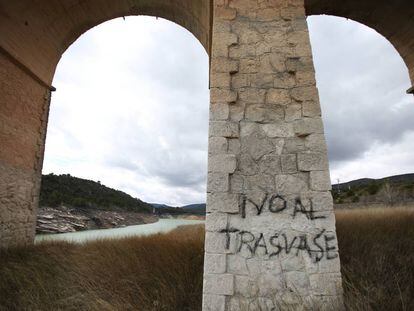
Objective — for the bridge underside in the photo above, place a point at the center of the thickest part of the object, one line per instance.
(268, 173)
(36, 33)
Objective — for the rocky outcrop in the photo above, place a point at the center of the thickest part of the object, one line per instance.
(67, 219)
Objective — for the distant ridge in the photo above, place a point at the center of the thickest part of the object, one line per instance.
(353, 190)
(197, 209)
(388, 190)
(68, 190)
(404, 178)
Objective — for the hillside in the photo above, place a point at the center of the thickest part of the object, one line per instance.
(397, 179)
(388, 190)
(191, 209)
(57, 190)
(199, 208)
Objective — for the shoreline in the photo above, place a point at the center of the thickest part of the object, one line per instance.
(65, 219)
(163, 225)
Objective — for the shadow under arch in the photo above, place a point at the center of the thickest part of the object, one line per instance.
(47, 28)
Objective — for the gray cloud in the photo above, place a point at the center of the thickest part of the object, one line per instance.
(362, 82)
(131, 108)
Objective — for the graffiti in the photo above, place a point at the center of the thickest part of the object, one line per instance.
(318, 246)
(276, 204)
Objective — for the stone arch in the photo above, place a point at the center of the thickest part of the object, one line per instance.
(35, 34)
(45, 29)
(392, 19)
(263, 101)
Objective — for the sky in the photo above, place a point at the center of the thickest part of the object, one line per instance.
(131, 107)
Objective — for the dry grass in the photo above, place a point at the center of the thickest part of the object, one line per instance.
(159, 272)
(164, 272)
(377, 258)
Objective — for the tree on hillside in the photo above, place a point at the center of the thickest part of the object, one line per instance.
(389, 193)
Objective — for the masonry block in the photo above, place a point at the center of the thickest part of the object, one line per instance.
(277, 194)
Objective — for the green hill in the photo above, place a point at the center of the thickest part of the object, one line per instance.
(191, 209)
(65, 189)
(392, 189)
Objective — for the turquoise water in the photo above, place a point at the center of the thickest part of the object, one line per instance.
(163, 225)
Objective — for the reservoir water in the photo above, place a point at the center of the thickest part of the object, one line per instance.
(161, 226)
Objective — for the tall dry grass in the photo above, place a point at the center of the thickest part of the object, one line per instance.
(377, 258)
(164, 272)
(159, 272)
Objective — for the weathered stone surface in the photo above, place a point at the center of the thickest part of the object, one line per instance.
(289, 163)
(222, 43)
(224, 129)
(237, 112)
(218, 284)
(298, 282)
(294, 145)
(218, 95)
(217, 145)
(293, 112)
(214, 263)
(263, 182)
(308, 126)
(312, 161)
(280, 187)
(223, 202)
(24, 107)
(321, 201)
(215, 219)
(224, 65)
(264, 113)
(246, 286)
(320, 181)
(305, 78)
(222, 163)
(305, 93)
(217, 182)
(284, 80)
(329, 284)
(270, 164)
(236, 265)
(315, 143)
(278, 96)
(221, 80)
(311, 109)
(215, 243)
(291, 184)
(247, 166)
(214, 302)
(252, 95)
(278, 130)
(219, 112)
(257, 147)
(234, 146)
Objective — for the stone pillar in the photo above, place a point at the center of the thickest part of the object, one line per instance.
(24, 107)
(270, 227)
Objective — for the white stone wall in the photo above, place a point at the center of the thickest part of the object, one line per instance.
(270, 228)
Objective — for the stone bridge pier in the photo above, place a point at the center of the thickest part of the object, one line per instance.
(270, 240)
(270, 227)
